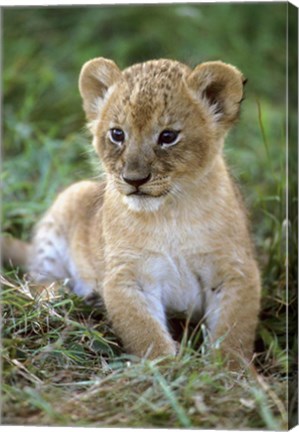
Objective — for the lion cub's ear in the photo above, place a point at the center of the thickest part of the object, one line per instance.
(96, 77)
(220, 87)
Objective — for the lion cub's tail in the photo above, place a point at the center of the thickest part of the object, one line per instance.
(14, 252)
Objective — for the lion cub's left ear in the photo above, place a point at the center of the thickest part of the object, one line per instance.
(96, 78)
(220, 87)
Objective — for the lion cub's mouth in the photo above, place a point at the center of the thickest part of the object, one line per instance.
(139, 193)
(153, 190)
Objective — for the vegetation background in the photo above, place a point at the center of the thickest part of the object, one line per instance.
(62, 364)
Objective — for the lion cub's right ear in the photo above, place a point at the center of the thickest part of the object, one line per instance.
(96, 77)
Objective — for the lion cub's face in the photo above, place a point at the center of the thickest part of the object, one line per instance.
(158, 125)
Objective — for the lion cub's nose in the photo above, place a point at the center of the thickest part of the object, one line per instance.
(136, 181)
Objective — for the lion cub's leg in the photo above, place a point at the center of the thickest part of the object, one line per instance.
(48, 258)
(51, 255)
(138, 317)
(232, 314)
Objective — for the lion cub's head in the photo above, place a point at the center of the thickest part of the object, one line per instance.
(158, 125)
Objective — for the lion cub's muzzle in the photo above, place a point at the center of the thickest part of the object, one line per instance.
(151, 186)
(138, 186)
(136, 182)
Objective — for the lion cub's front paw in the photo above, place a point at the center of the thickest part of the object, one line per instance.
(170, 349)
(156, 349)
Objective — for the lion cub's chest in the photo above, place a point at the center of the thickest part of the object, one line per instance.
(170, 267)
(171, 280)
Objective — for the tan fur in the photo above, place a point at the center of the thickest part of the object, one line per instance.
(15, 251)
(182, 243)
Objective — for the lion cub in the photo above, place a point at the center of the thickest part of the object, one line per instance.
(166, 232)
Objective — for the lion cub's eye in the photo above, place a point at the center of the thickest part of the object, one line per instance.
(168, 137)
(116, 135)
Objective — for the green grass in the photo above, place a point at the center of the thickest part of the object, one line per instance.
(63, 351)
(62, 363)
